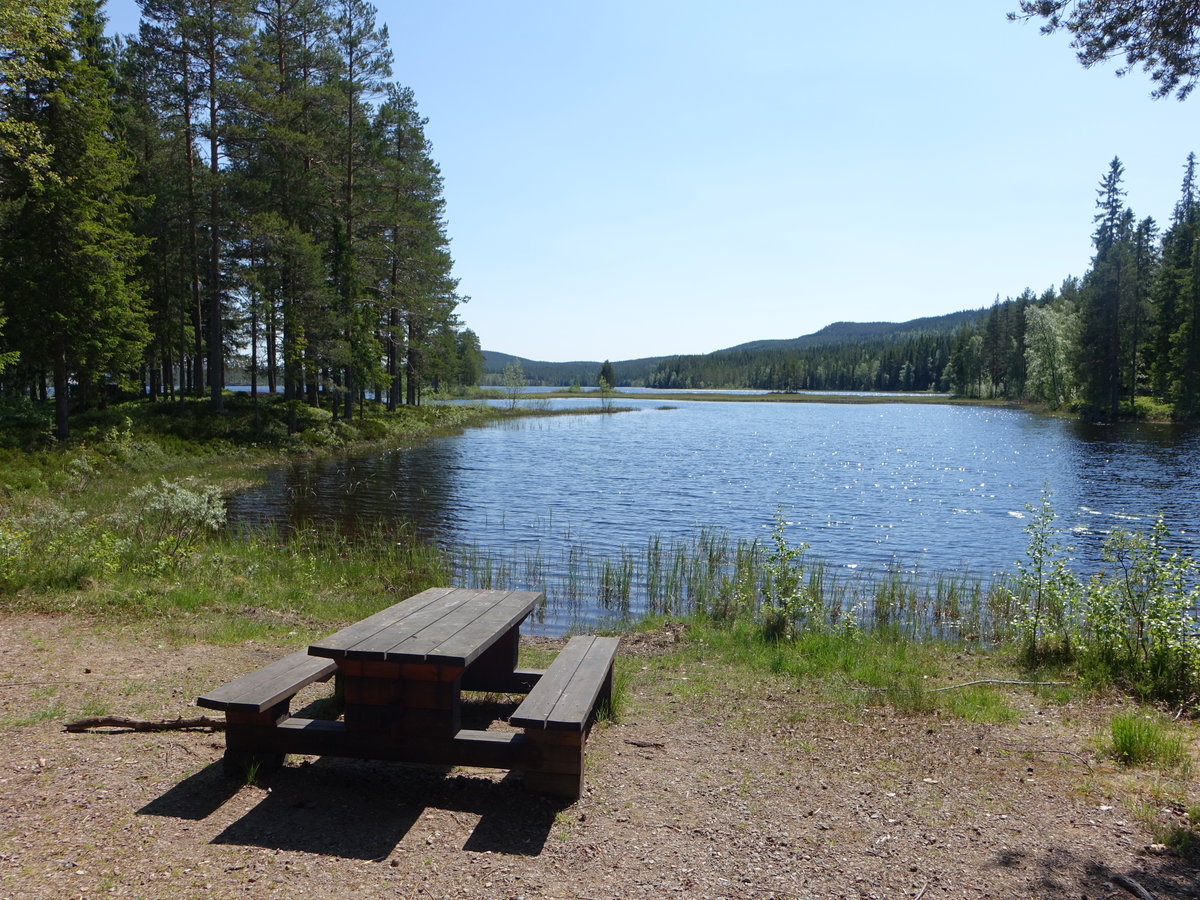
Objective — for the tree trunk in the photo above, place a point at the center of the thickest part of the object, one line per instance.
(62, 399)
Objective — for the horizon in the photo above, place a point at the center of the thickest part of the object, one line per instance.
(760, 173)
(628, 359)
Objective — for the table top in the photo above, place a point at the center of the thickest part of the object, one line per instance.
(450, 626)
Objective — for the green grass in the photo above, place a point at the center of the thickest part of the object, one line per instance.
(113, 525)
(849, 670)
(618, 703)
(48, 713)
(1142, 739)
(979, 704)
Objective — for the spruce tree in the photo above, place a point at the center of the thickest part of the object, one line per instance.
(68, 266)
(1100, 350)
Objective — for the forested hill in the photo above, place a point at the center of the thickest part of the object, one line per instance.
(744, 366)
(584, 373)
(860, 332)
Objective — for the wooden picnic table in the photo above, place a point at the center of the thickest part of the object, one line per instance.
(401, 673)
(403, 670)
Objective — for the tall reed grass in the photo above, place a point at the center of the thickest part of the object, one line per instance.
(715, 576)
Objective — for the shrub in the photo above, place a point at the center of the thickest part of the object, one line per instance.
(788, 605)
(173, 518)
(1046, 593)
(1138, 610)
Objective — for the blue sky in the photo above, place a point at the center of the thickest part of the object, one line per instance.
(648, 177)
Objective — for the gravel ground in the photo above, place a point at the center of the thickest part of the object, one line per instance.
(707, 788)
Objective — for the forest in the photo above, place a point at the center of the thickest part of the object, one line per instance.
(241, 193)
(1122, 341)
(241, 189)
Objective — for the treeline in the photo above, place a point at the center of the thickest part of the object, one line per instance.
(915, 362)
(1123, 337)
(240, 188)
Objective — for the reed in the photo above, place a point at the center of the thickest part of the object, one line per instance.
(714, 576)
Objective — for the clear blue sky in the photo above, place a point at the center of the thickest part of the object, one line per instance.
(649, 177)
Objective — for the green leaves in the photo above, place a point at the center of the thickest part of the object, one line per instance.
(1131, 622)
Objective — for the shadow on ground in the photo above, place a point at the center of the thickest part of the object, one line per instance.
(1059, 872)
(362, 810)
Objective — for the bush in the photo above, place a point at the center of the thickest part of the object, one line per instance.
(173, 518)
(1138, 610)
(1045, 593)
(788, 606)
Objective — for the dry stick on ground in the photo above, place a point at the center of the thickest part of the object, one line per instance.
(4, 684)
(1124, 881)
(955, 687)
(1018, 749)
(144, 725)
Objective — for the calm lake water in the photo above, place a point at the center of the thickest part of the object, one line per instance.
(930, 488)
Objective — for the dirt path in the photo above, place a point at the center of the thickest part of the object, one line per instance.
(704, 790)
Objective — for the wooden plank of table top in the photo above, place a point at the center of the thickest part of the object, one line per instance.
(337, 644)
(470, 641)
(462, 635)
(375, 645)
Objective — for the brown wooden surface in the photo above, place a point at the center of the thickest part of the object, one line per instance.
(451, 626)
(565, 697)
(401, 675)
(270, 685)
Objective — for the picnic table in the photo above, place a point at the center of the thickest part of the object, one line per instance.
(401, 674)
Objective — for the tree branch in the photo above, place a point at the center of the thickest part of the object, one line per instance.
(123, 722)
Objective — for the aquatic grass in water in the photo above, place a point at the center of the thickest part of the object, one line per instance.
(714, 576)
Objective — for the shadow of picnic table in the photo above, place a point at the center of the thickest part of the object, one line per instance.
(362, 810)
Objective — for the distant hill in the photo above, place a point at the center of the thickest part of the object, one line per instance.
(639, 371)
(861, 332)
(629, 371)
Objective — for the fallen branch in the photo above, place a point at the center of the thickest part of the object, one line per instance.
(955, 687)
(4, 684)
(1015, 748)
(1124, 881)
(145, 725)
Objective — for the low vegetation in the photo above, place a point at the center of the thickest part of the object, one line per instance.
(126, 524)
(126, 520)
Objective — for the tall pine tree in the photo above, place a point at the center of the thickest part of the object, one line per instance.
(68, 265)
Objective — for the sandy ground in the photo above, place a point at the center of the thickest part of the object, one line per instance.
(712, 791)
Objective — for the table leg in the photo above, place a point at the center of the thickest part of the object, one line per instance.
(402, 701)
(495, 668)
(248, 737)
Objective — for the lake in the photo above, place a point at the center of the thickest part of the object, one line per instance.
(913, 487)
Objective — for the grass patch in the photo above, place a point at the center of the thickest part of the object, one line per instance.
(979, 704)
(48, 713)
(618, 702)
(1144, 740)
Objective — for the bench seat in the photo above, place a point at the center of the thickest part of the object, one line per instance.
(271, 685)
(578, 679)
(559, 710)
(256, 703)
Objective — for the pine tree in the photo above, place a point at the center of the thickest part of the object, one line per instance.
(416, 287)
(279, 138)
(1100, 352)
(1171, 285)
(69, 256)
(607, 375)
(363, 65)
